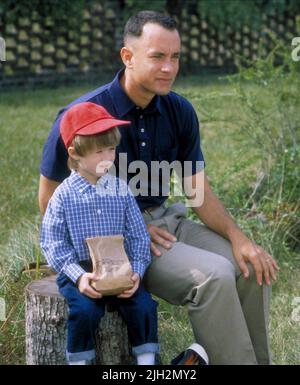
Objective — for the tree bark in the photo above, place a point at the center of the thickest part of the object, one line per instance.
(46, 329)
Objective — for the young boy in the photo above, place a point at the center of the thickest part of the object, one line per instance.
(80, 208)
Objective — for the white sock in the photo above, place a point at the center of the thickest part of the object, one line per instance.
(83, 362)
(146, 359)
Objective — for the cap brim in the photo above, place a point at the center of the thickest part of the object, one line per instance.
(101, 126)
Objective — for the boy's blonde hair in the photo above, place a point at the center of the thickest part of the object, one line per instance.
(84, 144)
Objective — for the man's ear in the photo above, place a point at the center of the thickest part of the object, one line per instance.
(72, 153)
(126, 56)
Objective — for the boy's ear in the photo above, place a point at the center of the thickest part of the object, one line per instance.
(72, 153)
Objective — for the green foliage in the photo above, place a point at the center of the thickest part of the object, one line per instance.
(133, 6)
(58, 10)
(273, 115)
(237, 13)
(220, 13)
(271, 121)
(70, 12)
(55, 14)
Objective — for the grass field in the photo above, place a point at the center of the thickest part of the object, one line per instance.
(232, 166)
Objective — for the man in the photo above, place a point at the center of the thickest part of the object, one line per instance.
(221, 275)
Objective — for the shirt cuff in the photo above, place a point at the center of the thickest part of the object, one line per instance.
(73, 271)
(139, 268)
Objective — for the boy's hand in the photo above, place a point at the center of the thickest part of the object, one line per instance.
(84, 286)
(129, 293)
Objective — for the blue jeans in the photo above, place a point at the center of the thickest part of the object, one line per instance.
(139, 312)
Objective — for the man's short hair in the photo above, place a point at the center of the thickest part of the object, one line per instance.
(135, 24)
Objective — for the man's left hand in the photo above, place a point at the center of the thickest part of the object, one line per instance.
(264, 265)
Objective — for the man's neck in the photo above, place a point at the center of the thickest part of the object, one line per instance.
(139, 97)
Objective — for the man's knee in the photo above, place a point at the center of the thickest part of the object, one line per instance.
(223, 273)
(219, 283)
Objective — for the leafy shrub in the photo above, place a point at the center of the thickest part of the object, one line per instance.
(271, 120)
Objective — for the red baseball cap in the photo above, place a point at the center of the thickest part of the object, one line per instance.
(86, 119)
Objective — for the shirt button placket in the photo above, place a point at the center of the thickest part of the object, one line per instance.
(142, 133)
(144, 140)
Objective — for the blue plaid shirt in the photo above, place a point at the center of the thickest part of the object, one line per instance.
(79, 210)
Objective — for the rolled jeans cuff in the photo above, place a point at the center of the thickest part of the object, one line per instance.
(88, 355)
(145, 348)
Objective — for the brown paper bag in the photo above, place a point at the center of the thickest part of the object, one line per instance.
(110, 264)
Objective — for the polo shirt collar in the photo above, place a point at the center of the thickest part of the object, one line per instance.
(123, 104)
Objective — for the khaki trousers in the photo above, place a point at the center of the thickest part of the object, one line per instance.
(228, 313)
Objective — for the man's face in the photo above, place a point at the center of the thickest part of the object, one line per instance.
(155, 59)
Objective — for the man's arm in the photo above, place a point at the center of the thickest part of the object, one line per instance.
(211, 211)
(214, 215)
(46, 190)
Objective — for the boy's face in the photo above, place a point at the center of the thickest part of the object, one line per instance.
(96, 163)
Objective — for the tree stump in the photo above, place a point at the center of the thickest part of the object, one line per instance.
(46, 314)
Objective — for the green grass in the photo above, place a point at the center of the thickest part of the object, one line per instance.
(232, 165)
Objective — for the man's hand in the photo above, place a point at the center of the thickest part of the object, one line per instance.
(263, 264)
(84, 286)
(160, 237)
(214, 215)
(129, 293)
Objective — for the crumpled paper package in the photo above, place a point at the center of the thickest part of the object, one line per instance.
(110, 264)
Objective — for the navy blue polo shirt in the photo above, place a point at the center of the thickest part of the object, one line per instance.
(166, 130)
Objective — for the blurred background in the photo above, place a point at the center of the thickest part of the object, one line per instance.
(59, 40)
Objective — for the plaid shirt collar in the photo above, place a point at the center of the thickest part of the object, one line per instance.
(82, 185)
